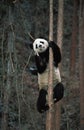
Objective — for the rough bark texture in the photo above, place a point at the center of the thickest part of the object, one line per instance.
(74, 38)
(81, 63)
(50, 113)
(59, 42)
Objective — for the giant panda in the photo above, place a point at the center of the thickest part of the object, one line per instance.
(41, 49)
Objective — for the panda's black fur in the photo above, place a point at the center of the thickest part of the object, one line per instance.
(42, 60)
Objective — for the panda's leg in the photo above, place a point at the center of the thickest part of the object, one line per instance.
(41, 101)
(58, 92)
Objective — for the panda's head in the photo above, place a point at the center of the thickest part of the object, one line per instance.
(40, 45)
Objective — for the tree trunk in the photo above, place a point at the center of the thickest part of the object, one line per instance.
(59, 42)
(50, 113)
(3, 67)
(9, 76)
(74, 38)
(81, 63)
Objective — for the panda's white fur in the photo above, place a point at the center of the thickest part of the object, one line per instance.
(43, 78)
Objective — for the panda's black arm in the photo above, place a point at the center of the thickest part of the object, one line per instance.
(56, 52)
(41, 64)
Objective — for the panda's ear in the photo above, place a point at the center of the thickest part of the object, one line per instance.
(31, 46)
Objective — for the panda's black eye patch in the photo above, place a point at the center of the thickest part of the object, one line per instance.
(36, 46)
(41, 42)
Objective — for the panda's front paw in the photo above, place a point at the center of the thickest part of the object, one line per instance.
(33, 70)
(41, 102)
(51, 44)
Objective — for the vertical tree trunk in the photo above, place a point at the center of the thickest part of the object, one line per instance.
(8, 80)
(50, 113)
(59, 42)
(3, 71)
(74, 38)
(81, 63)
(60, 23)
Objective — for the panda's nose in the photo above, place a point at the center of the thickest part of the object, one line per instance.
(40, 46)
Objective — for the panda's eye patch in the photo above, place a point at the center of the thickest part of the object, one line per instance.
(36, 46)
(41, 42)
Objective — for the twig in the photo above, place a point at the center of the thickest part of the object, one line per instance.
(27, 104)
(31, 36)
(23, 75)
(12, 64)
(22, 12)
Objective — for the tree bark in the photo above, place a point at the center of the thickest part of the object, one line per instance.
(50, 113)
(59, 42)
(81, 63)
(74, 38)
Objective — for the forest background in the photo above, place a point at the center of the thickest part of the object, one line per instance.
(18, 87)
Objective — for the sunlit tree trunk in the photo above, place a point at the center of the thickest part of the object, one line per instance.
(81, 62)
(59, 42)
(50, 113)
(74, 38)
